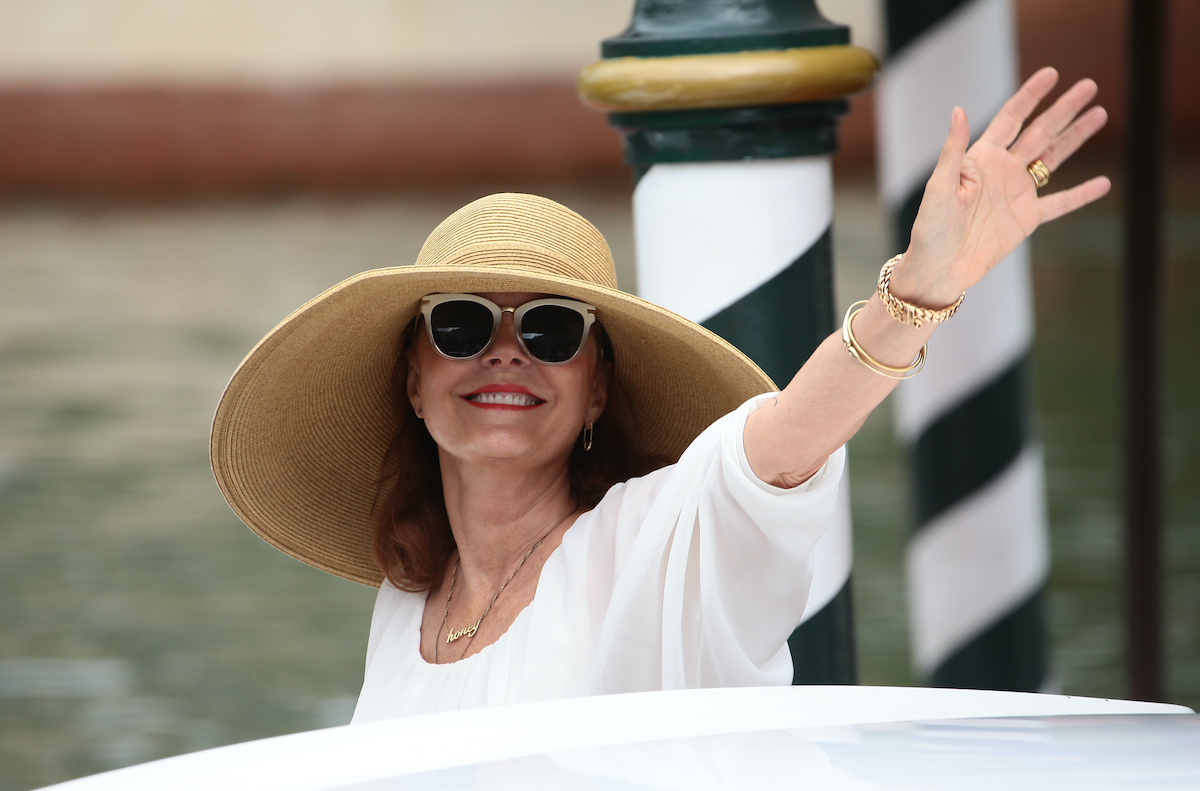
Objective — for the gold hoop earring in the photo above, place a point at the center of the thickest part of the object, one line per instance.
(587, 437)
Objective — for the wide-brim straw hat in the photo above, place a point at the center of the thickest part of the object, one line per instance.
(300, 434)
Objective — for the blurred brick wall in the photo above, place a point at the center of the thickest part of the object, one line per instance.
(146, 143)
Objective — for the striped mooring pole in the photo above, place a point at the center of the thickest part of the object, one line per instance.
(979, 558)
(728, 110)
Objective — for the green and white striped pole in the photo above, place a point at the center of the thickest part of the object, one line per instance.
(979, 556)
(729, 112)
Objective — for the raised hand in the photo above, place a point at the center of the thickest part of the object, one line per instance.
(981, 202)
(979, 205)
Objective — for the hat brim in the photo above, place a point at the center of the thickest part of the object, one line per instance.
(300, 434)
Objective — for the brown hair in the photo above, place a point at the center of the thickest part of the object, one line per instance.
(413, 541)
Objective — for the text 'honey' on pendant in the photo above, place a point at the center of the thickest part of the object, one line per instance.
(466, 631)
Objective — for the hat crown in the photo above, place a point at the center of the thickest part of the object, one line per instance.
(517, 231)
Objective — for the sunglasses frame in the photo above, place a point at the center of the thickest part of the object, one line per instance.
(431, 301)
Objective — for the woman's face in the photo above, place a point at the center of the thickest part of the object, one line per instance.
(554, 402)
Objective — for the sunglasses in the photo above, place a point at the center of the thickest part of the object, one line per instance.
(463, 326)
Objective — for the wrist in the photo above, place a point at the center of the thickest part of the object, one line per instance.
(885, 339)
(914, 280)
(860, 353)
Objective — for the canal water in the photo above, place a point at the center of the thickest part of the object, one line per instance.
(139, 618)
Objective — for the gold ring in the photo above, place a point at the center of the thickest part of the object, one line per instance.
(1040, 173)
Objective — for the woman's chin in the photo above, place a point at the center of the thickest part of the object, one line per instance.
(513, 444)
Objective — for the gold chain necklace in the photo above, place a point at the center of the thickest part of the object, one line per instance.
(470, 630)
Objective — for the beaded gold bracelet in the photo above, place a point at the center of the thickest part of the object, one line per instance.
(906, 312)
(857, 352)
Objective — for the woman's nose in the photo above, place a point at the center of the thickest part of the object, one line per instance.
(506, 349)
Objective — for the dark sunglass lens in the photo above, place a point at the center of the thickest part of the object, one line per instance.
(552, 333)
(461, 328)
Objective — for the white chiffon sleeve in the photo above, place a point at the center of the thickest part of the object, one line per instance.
(697, 574)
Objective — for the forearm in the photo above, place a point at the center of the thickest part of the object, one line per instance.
(787, 440)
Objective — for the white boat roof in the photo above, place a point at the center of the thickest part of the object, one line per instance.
(817, 737)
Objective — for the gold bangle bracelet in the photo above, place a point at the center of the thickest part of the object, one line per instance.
(906, 312)
(857, 352)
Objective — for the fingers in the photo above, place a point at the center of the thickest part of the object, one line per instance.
(949, 164)
(1056, 205)
(1046, 128)
(1003, 129)
(1079, 132)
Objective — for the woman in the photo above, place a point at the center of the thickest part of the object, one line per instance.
(475, 429)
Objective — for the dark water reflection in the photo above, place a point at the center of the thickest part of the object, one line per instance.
(139, 618)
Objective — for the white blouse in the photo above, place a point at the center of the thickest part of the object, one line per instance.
(692, 576)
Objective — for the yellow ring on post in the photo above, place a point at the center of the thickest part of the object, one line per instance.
(733, 79)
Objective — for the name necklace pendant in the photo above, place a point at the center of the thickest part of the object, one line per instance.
(470, 630)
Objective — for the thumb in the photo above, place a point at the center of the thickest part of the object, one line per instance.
(949, 164)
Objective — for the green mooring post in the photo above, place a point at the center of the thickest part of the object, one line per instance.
(729, 110)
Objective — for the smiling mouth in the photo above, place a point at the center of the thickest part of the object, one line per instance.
(504, 399)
